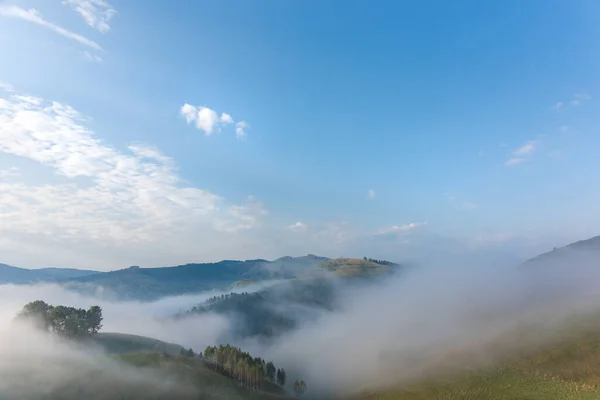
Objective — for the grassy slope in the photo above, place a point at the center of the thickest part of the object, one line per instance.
(566, 369)
(145, 352)
(194, 371)
(352, 267)
(120, 343)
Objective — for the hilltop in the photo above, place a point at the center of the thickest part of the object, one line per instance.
(353, 267)
(152, 283)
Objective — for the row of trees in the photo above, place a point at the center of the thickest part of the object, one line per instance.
(381, 262)
(66, 321)
(237, 364)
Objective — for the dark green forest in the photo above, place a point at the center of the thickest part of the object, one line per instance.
(266, 313)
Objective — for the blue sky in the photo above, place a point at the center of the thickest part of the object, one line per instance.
(391, 131)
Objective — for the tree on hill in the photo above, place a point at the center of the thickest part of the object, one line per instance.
(234, 363)
(281, 377)
(66, 321)
(299, 387)
(270, 371)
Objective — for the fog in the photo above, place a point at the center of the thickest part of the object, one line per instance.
(412, 326)
(34, 365)
(433, 318)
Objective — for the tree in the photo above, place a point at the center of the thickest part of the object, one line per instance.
(270, 371)
(67, 321)
(190, 353)
(281, 376)
(94, 319)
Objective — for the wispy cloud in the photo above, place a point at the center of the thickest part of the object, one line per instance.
(96, 13)
(576, 100)
(105, 197)
(526, 149)
(297, 227)
(579, 98)
(371, 193)
(9, 172)
(208, 120)
(92, 57)
(401, 228)
(240, 129)
(515, 161)
(522, 154)
(35, 17)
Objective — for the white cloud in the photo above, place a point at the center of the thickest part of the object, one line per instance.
(297, 227)
(240, 129)
(401, 228)
(9, 172)
(207, 120)
(35, 17)
(92, 57)
(526, 149)
(96, 13)
(189, 112)
(520, 155)
(515, 161)
(371, 193)
(129, 201)
(226, 118)
(6, 87)
(579, 98)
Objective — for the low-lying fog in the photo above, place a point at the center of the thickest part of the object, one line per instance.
(382, 334)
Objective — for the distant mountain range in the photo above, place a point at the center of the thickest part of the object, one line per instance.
(152, 283)
(10, 274)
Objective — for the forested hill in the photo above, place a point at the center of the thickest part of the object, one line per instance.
(152, 283)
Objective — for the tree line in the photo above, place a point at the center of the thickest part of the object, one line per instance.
(250, 371)
(65, 321)
(381, 262)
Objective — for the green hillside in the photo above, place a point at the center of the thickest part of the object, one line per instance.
(355, 267)
(120, 343)
(568, 368)
(195, 373)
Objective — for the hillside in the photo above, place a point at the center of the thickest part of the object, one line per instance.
(10, 274)
(266, 313)
(152, 283)
(356, 267)
(583, 252)
(567, 368)
(208, 383)
(120, 343)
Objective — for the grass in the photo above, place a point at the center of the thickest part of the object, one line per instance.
(120, 343)
(195, 372)
(567, 368)
(352, 267)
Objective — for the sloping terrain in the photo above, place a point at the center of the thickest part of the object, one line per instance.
(208, 384)
(577, 253)
(566, 368)
(120, 343)
(152, 283)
